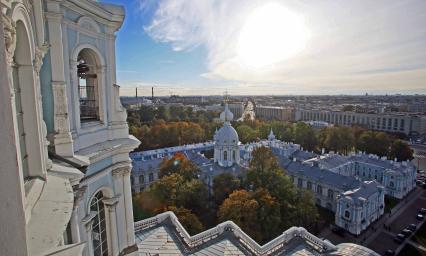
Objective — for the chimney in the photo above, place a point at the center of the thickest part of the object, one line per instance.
(152, 93)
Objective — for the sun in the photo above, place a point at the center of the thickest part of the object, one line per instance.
(270, 34)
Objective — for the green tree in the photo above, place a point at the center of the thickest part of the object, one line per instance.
(223, 185)
(179, 164)
(401, 151)
(246, 134)
(162, 113)
(146, 113)
(304, 135)
(373, 142)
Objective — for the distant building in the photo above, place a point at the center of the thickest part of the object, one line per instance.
(409, 124)
(275, 113)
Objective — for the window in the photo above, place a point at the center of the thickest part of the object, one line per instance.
(391, 184)
(225, 155)
(330, 194)
(347, 214)
(151, 177)
(309, 185)
(99, 235)
(88, 86)
(299, 182)
(233, 155)
(132, 180)
(141, 179)
(319, 189)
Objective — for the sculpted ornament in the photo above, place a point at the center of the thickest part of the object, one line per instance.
(9, 37)
(39, 55)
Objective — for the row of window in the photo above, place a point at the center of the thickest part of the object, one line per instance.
(318, 188)
(373, 122)
(142, 179)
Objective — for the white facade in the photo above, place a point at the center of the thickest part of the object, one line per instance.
(358, 208)
(68, 166)
(226, 141)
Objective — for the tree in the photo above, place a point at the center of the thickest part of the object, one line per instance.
(304, 135)
(401, 151)
(348, 108)
(257, 213)
(246, 134)
(189, 220)
(265, 173)
(241, 208)
(374, 143)
(162, 113)
(179, 164)
(337, 138)
(146, 113)
(223, 185)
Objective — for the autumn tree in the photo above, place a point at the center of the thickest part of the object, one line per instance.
(373, 142)
(188, 219)
(179, 164)
(401, 151)
(223, 185)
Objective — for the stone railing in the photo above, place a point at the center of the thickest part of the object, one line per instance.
(268, 249)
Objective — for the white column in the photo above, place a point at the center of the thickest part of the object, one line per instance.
(110, 205)
(62, 139)
(127, 193)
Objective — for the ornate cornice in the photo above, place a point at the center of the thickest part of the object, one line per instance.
(121, 171)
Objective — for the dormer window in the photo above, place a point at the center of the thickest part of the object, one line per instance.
(88, 86)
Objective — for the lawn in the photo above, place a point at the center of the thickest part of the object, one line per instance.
(420, 236)
(409, 250)
(390, 203)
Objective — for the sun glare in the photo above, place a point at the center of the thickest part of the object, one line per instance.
(270, 34)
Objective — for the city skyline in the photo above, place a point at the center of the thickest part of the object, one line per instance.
(197, 48)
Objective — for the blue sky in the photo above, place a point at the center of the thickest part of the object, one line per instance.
(192, 47)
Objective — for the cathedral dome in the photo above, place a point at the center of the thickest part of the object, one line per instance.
(226, 135)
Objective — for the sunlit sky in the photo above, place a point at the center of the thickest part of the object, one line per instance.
(255, 47)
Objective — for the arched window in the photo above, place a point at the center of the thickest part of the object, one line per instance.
(233, 155)
(330, 194)
(28, 124)
(88, 85)
(391, 184)
(225, 155)
(319, 189)
(99, 233)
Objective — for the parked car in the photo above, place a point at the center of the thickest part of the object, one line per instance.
(389, 253)
(399, 238)
(422, 211)
(420, 183)
(412, 227)
(420, 216)
(406, 232)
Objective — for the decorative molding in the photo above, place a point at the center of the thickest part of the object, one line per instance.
(10, 37)
(121, 171)
(79, 195)
(40, 52)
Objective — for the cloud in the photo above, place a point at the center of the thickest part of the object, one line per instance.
(354, 45)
